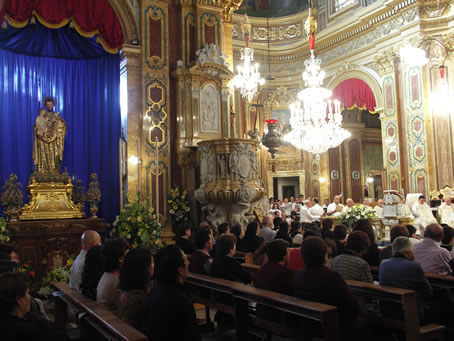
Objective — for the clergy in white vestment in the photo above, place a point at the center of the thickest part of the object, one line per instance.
(446, 212)
(379, 208)
(305, 215)
(335, 208)
(316, 210)
(423, 214)
(348, 203)
(403, 210)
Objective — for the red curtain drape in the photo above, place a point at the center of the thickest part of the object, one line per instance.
(89, 17)
(354, 92)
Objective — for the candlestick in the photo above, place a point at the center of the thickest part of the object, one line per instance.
(121, 173)
(138, 165)
(157, 180)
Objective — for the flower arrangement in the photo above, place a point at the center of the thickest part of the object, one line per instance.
(137, 225)
(57, 274)
(357, 212)
(179, 209)
(28, 270)
(4, 233)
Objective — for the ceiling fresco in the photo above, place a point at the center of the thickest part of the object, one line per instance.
(272, 8)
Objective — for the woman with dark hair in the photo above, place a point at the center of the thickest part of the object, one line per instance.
(183, 241)
(350, 265)
(296, 233)
(274, 208)
(112, 255)
(340, 238)
(224, 265)
(372, 254)
(283, 233)
(14, 304)
(327, 229)
(169, 314)
(92, 272)
(135, 274)
(317, 283)
(238, 233)
(251, 240)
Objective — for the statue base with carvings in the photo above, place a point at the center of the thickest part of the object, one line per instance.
(49, 197)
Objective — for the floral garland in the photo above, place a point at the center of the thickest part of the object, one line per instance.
(137, 225)
(4, 232)
(179, 209)
(357, 212)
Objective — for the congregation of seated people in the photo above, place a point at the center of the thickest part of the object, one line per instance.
(309, 260)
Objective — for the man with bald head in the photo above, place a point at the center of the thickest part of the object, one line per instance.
(348, 203)
(446, 212)
(432, 257)
(266, 230)
(89, 239)
(379, 208)
(335, 208)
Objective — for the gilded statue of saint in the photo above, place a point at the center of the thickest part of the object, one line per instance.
(49, 139)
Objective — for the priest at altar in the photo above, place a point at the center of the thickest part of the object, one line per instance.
(446, 212)
(335, 208)
(423, 214)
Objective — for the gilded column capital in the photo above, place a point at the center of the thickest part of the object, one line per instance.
(228, 7)
(431, 9)
(132, 55)
(386, 61)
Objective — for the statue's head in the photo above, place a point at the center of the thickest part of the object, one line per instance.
(49, 103)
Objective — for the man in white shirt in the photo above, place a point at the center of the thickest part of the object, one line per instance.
(89, 239)
(423, 214)
(335, 208)
(292, 203)
(366, 202)
(379, 208)
(316, 210)
(348, 203)
(286, 207)
(305, 216)
(446, 212)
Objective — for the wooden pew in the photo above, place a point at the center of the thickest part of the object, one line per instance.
(244, 296)
(445, 281)
(247, 256)
(405, 302)
(98, 322)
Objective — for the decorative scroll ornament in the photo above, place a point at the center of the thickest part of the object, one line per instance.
(316, 121)
(248, 78)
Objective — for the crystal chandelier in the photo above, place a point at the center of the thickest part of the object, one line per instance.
(316, 121)
(248, 78)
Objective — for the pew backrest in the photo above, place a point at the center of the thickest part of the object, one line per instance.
(404, 315)
(444, 281)
(106, 323)
(244, 296)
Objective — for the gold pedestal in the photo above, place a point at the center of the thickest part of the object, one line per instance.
(50, 200)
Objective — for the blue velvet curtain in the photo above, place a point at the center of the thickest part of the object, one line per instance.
(85, 83)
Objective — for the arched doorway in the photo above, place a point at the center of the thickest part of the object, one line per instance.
(356, 167)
